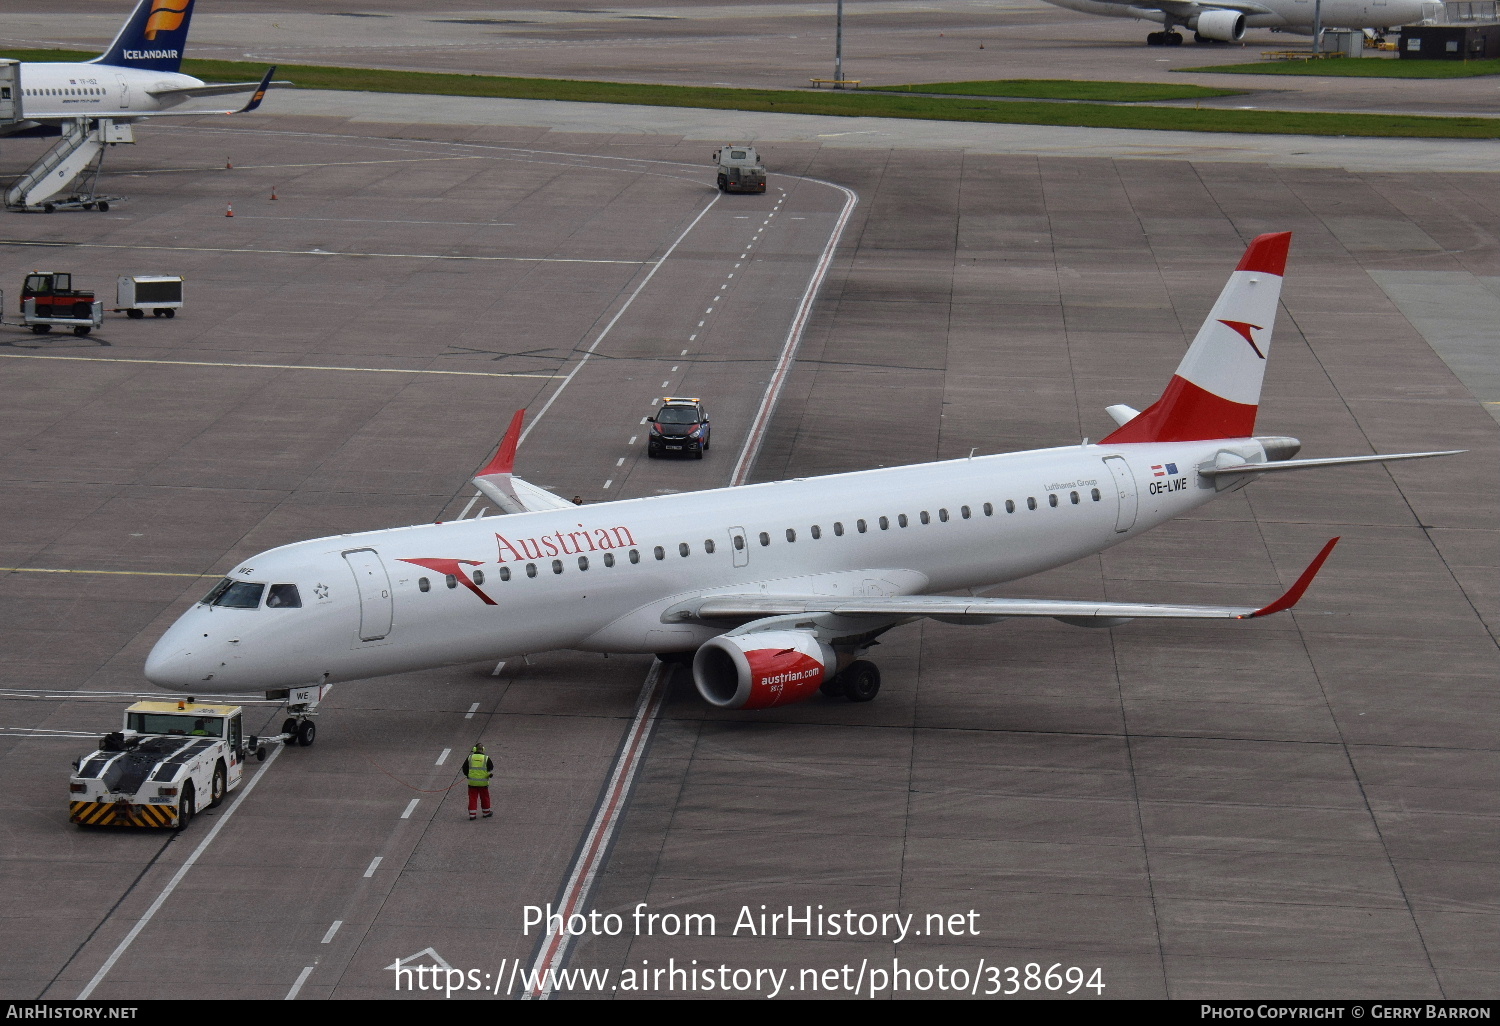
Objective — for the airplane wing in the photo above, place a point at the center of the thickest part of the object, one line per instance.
(961, 608)
(222, 89)
(1230, 468)
(510, 493)
(251, 104)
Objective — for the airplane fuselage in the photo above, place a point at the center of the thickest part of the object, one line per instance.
(601, 577)
(65, 90)
(1280, 14)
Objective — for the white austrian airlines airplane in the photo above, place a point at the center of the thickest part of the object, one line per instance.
(778, 588)
(1225, 21)
(136, 77)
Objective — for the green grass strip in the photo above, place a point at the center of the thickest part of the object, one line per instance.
(1359, 67)
(846, 104)
(1065, 89)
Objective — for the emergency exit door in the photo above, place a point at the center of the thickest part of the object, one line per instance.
(374, 588)
(739, 546)
(1124, 482)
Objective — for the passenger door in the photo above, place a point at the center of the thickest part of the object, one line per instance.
(375, 606)
(1124, 492)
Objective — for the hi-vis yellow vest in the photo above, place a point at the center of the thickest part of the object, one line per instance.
(479, 774)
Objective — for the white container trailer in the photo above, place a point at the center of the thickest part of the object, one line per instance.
(159, 293)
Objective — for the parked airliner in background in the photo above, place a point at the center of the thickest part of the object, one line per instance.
(777, 588)
(1225, 21)
(137, 77)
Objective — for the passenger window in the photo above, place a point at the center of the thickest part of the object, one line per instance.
(965, 512)
(1074, 497)
(885, 523)
(791, 535)
(635, 555)
(838, 529)
(478, 576)
(1031, 502)
(423, 584)
(739, 543)
(505, 573)
(708, 546)
(609, 559)
(530, 569)
(683, 550)
(283, 596)
(989, 509)
(583, 562)
(1010, 506)
(765, 539)
(659, 552)
(1052, 499)
(861, 526)
(817, 532)
(452, 580)
(557, 566)
(943, 515)
(1094, 492)
(901, 519)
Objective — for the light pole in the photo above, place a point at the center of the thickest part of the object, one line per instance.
(1317, 26)
(838, 48)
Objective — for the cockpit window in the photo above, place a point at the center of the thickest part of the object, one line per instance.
(283, 596)
(238, 595)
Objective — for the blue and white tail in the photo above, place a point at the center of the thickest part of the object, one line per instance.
(154, 37)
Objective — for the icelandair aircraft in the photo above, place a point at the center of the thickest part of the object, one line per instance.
(777, 589)
(1225, 21)
(136, 77)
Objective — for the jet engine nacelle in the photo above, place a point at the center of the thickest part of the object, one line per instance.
(758, 671)
(1226, 26)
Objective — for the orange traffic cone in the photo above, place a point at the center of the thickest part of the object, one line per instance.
(229, 210)
(273, 192)
(227, 165)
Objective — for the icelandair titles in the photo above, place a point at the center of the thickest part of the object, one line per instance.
(148, 55)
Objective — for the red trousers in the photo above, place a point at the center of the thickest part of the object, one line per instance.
(479, 796)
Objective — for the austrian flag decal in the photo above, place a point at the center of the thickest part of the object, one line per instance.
(1164, 469)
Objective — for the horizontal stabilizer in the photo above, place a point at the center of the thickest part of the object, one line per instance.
(1330, 461)
(957, 608)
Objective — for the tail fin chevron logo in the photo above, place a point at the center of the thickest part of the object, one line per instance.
(164, 18)
(1244, 330)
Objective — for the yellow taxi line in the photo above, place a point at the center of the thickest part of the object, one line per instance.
(276, 366)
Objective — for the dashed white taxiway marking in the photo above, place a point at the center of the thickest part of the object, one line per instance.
(443, 757)
(301, 979)
(411, 807)
(328, 937)
(472, 710)
(374, 865)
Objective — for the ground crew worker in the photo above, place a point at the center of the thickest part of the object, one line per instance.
(480, 768)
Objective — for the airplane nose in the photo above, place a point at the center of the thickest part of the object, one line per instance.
(171, 666)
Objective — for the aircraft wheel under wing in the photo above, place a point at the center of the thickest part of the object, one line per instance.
(833, 687)
(861, 681)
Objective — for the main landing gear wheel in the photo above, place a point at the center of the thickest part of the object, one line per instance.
(1163, 39)
(216, 791)
(186, 807)
(307, 733)
(861, 681)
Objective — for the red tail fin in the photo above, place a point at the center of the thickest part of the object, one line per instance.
(504, 460)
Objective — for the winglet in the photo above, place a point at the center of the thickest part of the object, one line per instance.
(1294, 593)
(504, 461)
(260, 92)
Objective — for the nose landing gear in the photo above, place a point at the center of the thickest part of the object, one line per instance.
(301, 706)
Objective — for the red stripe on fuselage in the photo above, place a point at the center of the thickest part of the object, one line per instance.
(1187, 413)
